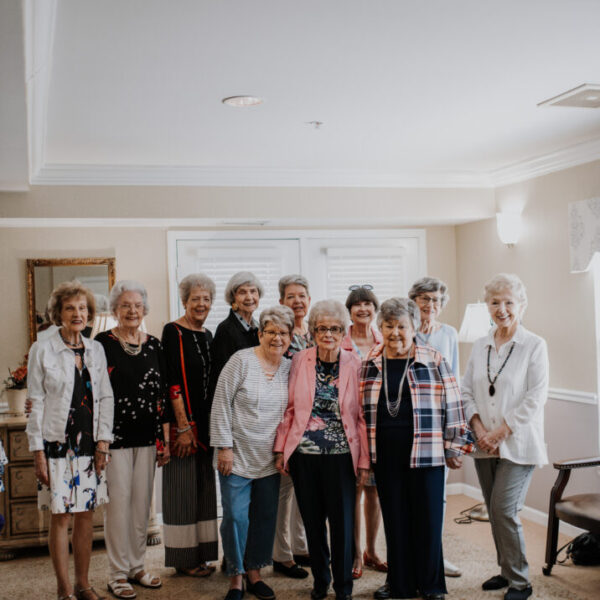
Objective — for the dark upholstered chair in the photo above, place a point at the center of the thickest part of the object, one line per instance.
(581, 510)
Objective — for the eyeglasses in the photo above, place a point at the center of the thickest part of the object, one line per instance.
(429, 299)
(136, 306)
(272, 333)
(335, 330)
(355, 287)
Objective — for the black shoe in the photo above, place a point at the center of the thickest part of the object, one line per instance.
(515, 594)
(302, 559)
(497, 582)
(383, 593)
(234, 594)
(318, 594)
(295, 572)
(260, 589)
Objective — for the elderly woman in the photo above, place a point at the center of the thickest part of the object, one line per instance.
(431, 295)
(322, 440)
(290, 538)
(362, 305)
(504, 390)
(416, 426)
(239, 330)
(248, 405)
(69, 432)
(137, 370)
(189, 488)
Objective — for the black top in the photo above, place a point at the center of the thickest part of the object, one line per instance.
(139, 387)
(79, 432)
(197, 366)
(230, 337)
(404, 418)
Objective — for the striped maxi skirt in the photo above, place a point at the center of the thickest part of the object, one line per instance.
(190, 511)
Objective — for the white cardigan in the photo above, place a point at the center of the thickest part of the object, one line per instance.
(521, 392)
(50, 379)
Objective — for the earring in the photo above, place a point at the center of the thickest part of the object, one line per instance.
(234, 306)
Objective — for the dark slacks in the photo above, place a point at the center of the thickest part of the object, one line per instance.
(325, 486)
(412, 502)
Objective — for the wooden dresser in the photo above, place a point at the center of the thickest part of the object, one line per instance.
(26, 526)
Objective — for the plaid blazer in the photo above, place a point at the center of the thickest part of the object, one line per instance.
(440, 427)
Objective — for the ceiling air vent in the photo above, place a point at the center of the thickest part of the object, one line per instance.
(583, 96)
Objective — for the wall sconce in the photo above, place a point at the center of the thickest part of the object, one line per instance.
(476, 323)
(509, 227)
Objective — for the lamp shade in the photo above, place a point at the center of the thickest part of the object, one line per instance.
(508, 226)
(476, 322)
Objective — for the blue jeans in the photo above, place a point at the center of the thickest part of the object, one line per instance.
(249, 519)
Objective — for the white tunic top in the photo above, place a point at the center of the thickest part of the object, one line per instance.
(521, 392)
(246, 410)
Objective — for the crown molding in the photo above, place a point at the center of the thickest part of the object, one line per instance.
(565, 158)
(573, 396)
(160, 175)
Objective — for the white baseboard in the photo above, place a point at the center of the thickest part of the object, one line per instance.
(531, 514)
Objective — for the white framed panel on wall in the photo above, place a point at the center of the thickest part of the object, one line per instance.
(331, 260)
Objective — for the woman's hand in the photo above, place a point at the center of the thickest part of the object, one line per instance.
(491, 440)
(101, 456)
(225, 461)
(454, 462)
(185, 444)
(363, 476)
(40, 464)
(279, 464)
(164, 456)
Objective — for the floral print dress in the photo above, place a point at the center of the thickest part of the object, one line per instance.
(74, 485)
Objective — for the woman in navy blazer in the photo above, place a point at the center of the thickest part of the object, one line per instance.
(322, 441)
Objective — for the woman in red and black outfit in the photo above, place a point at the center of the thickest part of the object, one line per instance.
(189, 491)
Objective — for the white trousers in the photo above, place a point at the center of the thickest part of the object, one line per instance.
(290, 537)
(130, 478)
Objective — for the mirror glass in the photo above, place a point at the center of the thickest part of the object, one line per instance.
(45, 274)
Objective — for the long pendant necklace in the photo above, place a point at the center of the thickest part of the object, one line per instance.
(394, 406)
(492, 388)
(131, 349)
(205, 361)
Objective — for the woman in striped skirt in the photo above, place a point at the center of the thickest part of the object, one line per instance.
(189, 489)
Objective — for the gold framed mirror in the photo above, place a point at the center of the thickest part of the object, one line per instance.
(44, 274)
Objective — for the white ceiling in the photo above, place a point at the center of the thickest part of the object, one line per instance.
(411, 92)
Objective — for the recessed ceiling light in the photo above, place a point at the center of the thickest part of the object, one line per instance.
(583, 96)
(242, 101)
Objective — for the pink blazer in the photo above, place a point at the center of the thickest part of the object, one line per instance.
(302, 385)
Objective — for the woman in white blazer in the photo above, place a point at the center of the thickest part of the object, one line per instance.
(504, 390)
(69, 432)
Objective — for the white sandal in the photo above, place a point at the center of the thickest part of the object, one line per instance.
(146, 580)
(116, 588)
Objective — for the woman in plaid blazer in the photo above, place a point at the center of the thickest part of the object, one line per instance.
(415, 426)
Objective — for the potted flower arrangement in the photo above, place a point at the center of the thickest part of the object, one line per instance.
(16, 387)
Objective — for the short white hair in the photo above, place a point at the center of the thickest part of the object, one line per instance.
(328, 308)
(193, 280)
(507, 281)
(239, 279)
(292, 280)
(393, 309)
(128, 285)
(279, 315)
(431, 285)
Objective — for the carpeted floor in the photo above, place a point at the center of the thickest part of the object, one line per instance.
(469, 546)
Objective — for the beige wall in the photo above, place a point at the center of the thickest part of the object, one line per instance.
(561, 307)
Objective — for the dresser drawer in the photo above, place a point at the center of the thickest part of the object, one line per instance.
(18, 446)
(23, 483)
(25, 518)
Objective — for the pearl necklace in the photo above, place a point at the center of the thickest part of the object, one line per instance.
(128, 348)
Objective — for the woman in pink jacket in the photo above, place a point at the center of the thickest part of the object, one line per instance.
(322, 441)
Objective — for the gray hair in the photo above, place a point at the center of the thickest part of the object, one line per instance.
(292, 280)
(429, 284)
(507, 281)
(127, 285)
(328, 308)
(394, 309)
(239, 279)
(196, 280)
(279, 315)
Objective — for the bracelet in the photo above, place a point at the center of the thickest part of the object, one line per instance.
(102, 452)
(184, 429)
